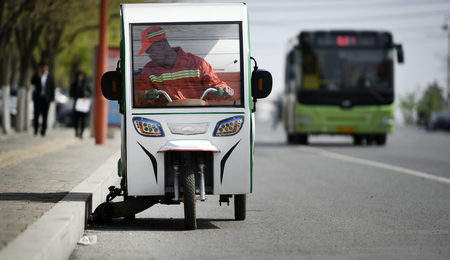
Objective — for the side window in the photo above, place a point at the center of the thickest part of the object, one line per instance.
(290, 72)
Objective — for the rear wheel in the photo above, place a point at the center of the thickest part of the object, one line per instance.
(130, 217)
(240, 206)
(190, 208)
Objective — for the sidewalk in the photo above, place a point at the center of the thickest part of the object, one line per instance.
(37, 172)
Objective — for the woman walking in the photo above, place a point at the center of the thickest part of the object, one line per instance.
(81, 92)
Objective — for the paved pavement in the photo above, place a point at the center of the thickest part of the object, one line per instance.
(36, 172)
(327, 200)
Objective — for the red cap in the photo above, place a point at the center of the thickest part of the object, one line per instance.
(151, 35)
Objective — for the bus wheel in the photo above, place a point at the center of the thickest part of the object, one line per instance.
(190, 209)
(357, 139)
(370, 139)
(292, 138)
(239, 206)
(302, 139)
(381, 139)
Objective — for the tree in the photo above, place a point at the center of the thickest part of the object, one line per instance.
(62, 33)
(11, 12)
(431, 101)
(408, 105)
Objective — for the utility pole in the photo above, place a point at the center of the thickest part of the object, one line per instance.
(445, 27)
(101, 105)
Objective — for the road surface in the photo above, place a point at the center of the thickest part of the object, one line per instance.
(326, 200)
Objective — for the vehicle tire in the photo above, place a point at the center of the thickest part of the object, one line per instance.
(302, 139)
(131, 217)
(190, 208)
(381, 139)
(357, 139)
(370, 139)
(240, 206)
(292, 138)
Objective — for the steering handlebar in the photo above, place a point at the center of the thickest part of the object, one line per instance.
(207, 91)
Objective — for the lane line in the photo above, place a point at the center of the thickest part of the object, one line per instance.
(14, 157)
(386, 166)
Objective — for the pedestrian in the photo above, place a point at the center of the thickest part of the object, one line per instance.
(81, 93)
(43, 95)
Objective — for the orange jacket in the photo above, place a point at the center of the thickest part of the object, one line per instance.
(187, 79)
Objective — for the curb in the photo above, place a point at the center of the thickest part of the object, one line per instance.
(56, 233)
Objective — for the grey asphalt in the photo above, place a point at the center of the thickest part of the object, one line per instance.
(36, 172)
(307, 205)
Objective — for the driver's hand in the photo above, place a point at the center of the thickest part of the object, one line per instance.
(151, 94)
(224, 92)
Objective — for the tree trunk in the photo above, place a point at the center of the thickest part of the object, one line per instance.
(6, 122)
(22, 99)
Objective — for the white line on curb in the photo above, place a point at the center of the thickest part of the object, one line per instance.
(56, 233)
(386, 166)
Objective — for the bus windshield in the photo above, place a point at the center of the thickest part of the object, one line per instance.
(346, 69)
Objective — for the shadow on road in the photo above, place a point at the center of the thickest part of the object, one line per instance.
(333, 145)
(52, 197)
(154, 224)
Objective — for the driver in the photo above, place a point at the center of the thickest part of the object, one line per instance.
(182, 75)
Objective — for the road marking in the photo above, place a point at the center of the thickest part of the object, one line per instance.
(386, 166)
(14, 157)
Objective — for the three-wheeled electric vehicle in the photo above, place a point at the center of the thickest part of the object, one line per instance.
(187, 97)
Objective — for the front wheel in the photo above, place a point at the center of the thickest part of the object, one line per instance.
(302, 139)
(380, 139)
(190, 208)
(292, 138)
(357, 140)
(239, 206)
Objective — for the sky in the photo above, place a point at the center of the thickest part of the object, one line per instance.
(416, 24)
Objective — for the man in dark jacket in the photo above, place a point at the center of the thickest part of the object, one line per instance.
(43, 94)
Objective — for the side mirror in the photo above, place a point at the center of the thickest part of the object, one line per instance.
(399, 49)
(261, 83)
(111, 84)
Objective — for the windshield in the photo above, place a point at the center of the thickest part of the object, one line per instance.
(337, 69)
(195, 64)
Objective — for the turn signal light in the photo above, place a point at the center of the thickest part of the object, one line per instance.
(229, 126)
(147, 127)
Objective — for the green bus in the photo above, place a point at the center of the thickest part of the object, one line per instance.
(340, 83)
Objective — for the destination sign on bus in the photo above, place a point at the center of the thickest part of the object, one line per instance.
(322, 39)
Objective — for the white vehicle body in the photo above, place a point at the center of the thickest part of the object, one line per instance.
(187, 128)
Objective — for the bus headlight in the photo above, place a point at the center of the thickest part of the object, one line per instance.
(304, 119)
(147, 127)
(229, 126)
(387, 121)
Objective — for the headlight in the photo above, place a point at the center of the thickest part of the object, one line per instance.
(229, 126)
(387, 120)
(147, 127)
